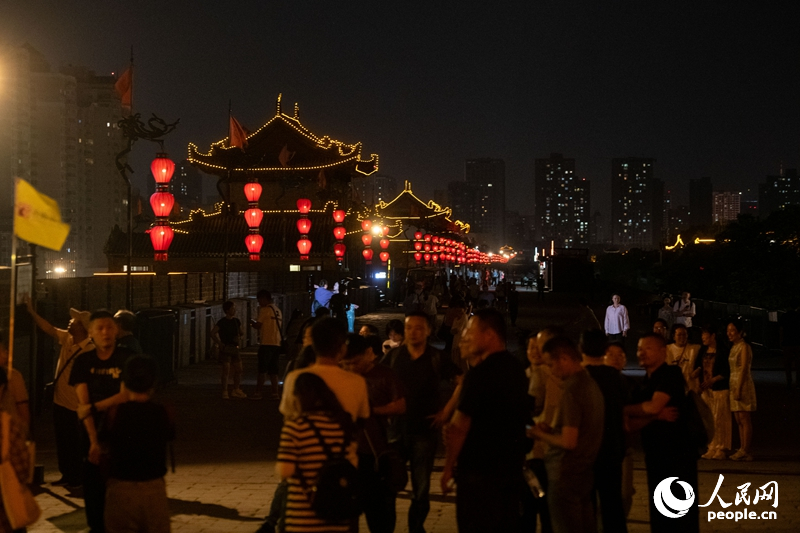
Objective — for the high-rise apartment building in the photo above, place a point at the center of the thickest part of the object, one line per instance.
(54, 157)
(778, 192)
(562, 203)
(487, 178)
(376, 188)
(727, 206)
(99, 200)
(15, 135)
(637, 203)
(63, 138)
(701, 202)
(676, 222)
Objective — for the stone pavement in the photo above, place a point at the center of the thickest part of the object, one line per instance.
(225, 455)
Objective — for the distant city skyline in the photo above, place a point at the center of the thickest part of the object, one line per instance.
(699, 89)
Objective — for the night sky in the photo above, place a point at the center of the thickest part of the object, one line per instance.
(705, 89)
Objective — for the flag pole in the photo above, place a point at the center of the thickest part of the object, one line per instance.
(13, 289)
(128, 278)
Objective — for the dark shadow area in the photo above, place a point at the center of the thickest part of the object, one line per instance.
(208, 509)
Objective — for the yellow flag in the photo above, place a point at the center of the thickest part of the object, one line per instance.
(37, 218)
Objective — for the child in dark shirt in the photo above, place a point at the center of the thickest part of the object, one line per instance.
(137, 433)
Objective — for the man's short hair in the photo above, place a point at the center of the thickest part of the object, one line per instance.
(227, 305)
(140, 373)
(100, 313)
(322, 283)
(126, 320)
(373, 329)
(327, 336)
(657, 337)
(594, 343)
(418, 314)
(492, 319)
(356, 345)
(562, 347)
(395, 326)
(265, 294)
(660, 321)
(676, 327)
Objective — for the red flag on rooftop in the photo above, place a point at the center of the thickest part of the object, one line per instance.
(238, 136)
(124, 87)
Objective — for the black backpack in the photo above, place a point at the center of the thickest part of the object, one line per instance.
(336, 493)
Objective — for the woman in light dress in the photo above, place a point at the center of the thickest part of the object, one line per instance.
(742, 389)
(712, 371)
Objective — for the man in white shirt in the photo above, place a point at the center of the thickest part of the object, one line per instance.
(329, 340)
(616, 323)
(684, 310)
(74, 341)
(270, 327)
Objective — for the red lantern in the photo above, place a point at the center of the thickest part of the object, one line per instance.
(254, 243)
(339, 233)
(161, 237)
(304, 205)
(304, 246)
(338, 250)
(418, 235)
(162, 203)
(338, 216)
(435, 238)
(252, 191)
(366, 225)
(304, 226)
(417, 257)
(385, 230)
(428, 237)
(435, 258)
(384, 243)
(427, 257)
(384, 257)
(162, 168)
(443, 256)
(367, 253)
(366, 239)
(427, 247)
(418, 246)
(253, 217)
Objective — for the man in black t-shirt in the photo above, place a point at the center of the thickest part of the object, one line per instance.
(137, 433)
(421, 369)
(386, 400)
(486, 438)
(97, 378)
(226, 334)
(667, 450)
(608, 465)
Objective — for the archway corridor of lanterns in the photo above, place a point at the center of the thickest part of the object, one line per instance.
(427, 247)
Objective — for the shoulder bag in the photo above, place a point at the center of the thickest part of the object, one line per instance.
(335, 494)
(20, 505)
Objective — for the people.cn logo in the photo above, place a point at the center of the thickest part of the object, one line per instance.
(666, 502)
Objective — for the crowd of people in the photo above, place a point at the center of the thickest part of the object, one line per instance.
(542, 444)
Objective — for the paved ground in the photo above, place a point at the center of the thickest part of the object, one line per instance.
(225, 455)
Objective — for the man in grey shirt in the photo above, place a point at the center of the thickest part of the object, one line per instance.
(573, 441)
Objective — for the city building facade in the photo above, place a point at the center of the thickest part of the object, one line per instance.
(727, 206)
(637, 203)
(778, 192)
(562, 203)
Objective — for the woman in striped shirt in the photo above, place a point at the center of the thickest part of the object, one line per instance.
(301, 454)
